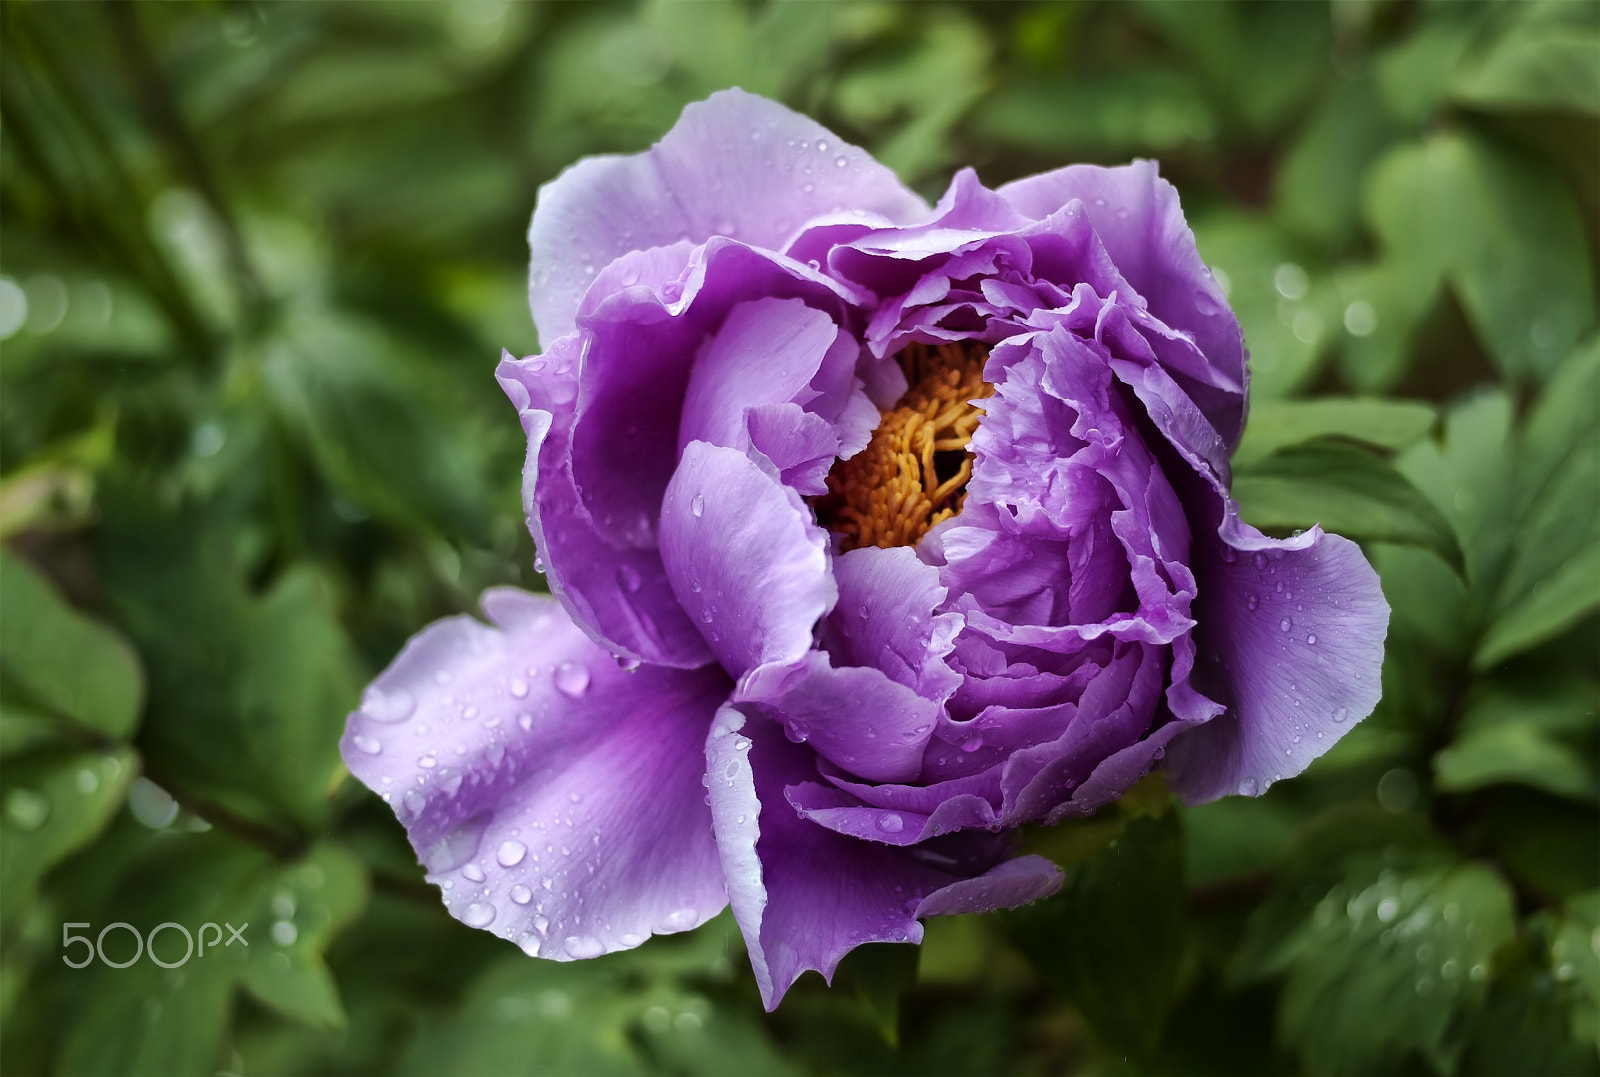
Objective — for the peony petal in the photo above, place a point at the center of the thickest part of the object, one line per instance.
(619, 597)
(803, 896)
(766, 352)
(734, 165)
(887, 618)
(555, 799)
(1290, 641)
(745, 557)
(1011, 883)
(1137, 216)
(855, 717)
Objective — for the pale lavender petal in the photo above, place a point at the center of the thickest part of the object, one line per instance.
(888, 617)
(802, 446)
(554, 798)
(1290, 640)
(734, 165)
(803, 896)
(767, 351)
(1137, 216)
(1011, 883)
(619, 597)
(745, 557)
(855, 716)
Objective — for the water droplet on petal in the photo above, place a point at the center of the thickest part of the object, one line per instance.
(581, 946)
(1285, 624)
(572, 679)
(530, 945)
(521, 894)
(519, 687)
(890, 823)
(511, 853)
(698, 505)
(478, 914)
(1341, 715)
(427, 762)
(473, 872)
(1248, 787)
(414, 801)
(525, 720)
(1251, 602)
(392, 706)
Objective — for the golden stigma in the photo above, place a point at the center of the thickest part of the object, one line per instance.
(913, 473)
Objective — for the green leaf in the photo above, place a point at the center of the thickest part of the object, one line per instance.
(612, 1015)
(1556, 602)
(1112, 939)
(1387, 966)
(1347, 491)
(55, 803)
(1533, 734)
(1384, 424)
(145, 1019)
(1552, 576)
(361, 404)
(1467, 476)
(317, 898)
(1318, 187)
(1347, 841)
(1151, 108)
(882, 972)
(1514, 753)
(1538, 65)
(1286, 312)
(1547, 843)
(248, 695)
(1507, 233)
(1415, 73)
(65, 662)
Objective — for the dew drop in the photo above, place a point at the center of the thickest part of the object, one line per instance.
(890, 823)
(511, 853)
(525, 720)
(1312, 639)
(473, 872)
(478, 914)
(392, 706)
(1248, 787)
(1341, 715)
(519, 687)
(367, 744)
(1285, 624)
(840, 161)
(698, 505)
(581, 946)
(530, 945)
(521, 894)
(1251, 602)
(414, 801)
(427, 762)
(572, 679)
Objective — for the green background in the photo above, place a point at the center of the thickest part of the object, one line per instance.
(258, 264)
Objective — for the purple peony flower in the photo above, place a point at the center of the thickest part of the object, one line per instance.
(874, 532)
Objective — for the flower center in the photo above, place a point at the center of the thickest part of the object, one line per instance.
(913, 473)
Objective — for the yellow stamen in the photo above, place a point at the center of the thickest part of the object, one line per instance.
(909, 476)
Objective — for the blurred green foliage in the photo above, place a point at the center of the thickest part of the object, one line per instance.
(259, 261)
